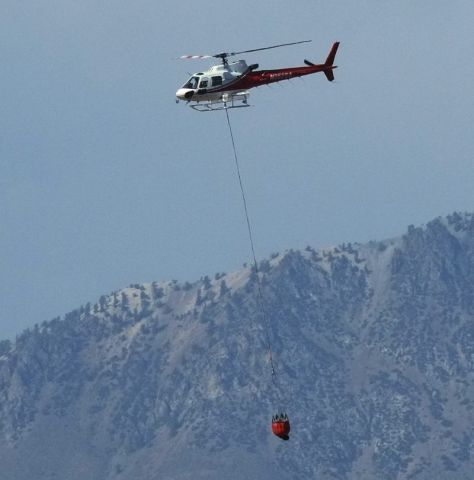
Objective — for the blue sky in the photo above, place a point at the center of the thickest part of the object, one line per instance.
(105, 181)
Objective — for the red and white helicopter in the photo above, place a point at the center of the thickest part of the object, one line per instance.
(227, 85)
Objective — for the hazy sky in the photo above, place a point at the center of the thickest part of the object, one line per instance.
(105, 181)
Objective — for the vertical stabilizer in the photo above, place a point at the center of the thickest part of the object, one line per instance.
(332, 55)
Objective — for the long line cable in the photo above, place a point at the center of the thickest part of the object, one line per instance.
(260, 299)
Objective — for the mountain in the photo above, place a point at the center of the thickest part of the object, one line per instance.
(373, 347)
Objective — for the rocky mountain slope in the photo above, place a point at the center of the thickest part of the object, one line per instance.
(374, 349)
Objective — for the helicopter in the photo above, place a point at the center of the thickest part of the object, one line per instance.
(227, 85)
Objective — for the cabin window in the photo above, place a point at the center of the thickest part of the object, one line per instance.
(204, 82)
(192, 83)
(216, 81)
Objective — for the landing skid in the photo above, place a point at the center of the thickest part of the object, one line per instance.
(226, 102)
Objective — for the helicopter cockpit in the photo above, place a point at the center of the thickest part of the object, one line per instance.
(192, 83)
(199, 81)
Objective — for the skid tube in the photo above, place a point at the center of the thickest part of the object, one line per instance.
(226, 102)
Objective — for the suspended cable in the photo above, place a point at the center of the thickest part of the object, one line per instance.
(260, 299)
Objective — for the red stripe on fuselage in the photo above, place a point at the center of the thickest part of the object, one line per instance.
(264, 77)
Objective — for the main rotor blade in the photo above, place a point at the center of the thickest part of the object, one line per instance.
(193, 57)
(224, 55)
(268, 48)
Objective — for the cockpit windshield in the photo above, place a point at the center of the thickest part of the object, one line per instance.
(192, 83)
